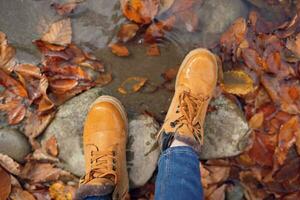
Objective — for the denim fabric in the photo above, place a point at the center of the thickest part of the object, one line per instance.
(178, 175)
(107, 197)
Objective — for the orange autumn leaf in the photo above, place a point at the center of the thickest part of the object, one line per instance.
(7, 54)
(12, 85)
(17, 114)
(45, 103)
(59, 191)
(256, 120)
(59, 33)
(104, 79)
(153, 50)
(132, 85)
(28, 70)
(5, 184)
(287, 138)
(20, 194)
(60, 86)
(51, 146)
(127, 32)
(170, 74)
(140, 11)
(237, 82)
(119, 50)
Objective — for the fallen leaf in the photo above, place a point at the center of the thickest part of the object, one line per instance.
(127, 32)
(294, 45)
(253, 60)
(36, 124)
(235, 34)
(256, 120)
(237, 82)
(132, 85)
(157, 30)
(45, 103)
(28, 70)
(7, 54)
(64, 9)
(17, 114)
(43, 172)
(5, 184)
(140, 11)
(104, 79)
(41, 155)
(214, 174)
(10, 165)
(51, 146)
(60, 86)
(286, 138)
(170, 74)
(20, 194)
(119, 49)
(12, 85)
(58, 191)
(153, 50)
(59, 33)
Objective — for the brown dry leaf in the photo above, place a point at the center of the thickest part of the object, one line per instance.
(51, 146)
(28, 70)
(132, 85)
(9, 164)
(20, 194)
(237, 82)
(64, 9)
(170, 74)
(104, 79)
(7, 54)
(235, 34)
(60, 86)
(218, 194)
(43, 172)
(59, 33)
(253, 60)
(59, 191)
(12, 85)
(294, 45)
(157, 30)
(153, 50)
(5, 184)
(256, 120)
(36, 124)
(17, 114)
(287, 138)
(140, 11)
(119, 49)
(214, 174)
(127, 32)
(40, 155)
(45, 103)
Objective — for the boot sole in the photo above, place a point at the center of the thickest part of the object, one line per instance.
(190, 55)
(116, 103)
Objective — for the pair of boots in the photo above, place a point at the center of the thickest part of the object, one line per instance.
(105, 129)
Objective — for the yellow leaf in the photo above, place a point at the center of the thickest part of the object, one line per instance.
(237, 82)
(58, 191)
(256, 120)
(59, 33)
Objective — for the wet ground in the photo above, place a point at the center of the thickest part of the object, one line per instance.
(95, 24)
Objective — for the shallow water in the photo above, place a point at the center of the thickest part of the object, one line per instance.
(95, 24)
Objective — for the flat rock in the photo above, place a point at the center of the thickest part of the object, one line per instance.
(226, 130)
(68, 127)
(14, 144)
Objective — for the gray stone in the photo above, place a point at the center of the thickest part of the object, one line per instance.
(226, 130)
(141, 159)
(68, 127)
(14, 144)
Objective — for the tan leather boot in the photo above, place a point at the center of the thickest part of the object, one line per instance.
(104, 142)
(195, 83)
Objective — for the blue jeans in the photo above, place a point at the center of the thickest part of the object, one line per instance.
(178, 176)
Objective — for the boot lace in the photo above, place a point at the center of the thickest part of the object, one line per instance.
(190, 108)
(103, 165)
